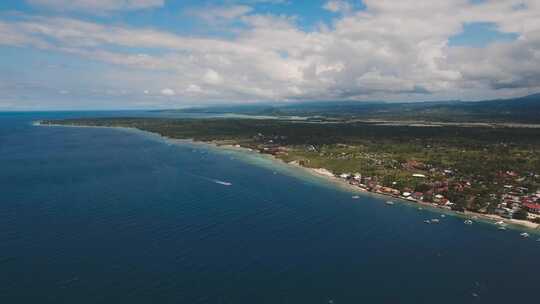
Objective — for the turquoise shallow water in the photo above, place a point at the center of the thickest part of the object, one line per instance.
(90, 215)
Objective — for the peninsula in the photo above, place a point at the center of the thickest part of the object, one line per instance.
(489, 171)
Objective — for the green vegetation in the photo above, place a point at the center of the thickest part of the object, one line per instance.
(517, 110)
(480, 169)
(521, 215)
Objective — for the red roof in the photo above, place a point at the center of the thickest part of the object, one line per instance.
(532, 206)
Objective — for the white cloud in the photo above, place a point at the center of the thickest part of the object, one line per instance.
(193, 88)
(338, 6)
(391, 50)
(168, 92)
(96, 5)
(212, 77)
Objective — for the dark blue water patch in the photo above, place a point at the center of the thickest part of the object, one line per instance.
(90, 215)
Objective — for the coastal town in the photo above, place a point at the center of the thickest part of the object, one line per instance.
(492, 173)
(505, 195)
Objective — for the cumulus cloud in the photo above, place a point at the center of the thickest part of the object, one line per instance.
(389, 50)
(193, 89)
(338, 6)
(168, 92)
(212, 77)
(96, 5)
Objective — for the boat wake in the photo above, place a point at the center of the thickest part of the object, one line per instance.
(222, 183)
(213, 180)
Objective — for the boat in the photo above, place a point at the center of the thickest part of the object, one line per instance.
(436, 221)
(356, 197)
(443, 216)
(223, 183)
(502, 228)
(500, 223)
(389, 203)
(524, 235)
(427, 221)
(468, 222)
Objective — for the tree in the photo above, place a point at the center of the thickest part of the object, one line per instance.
(422, 188)
(521, 214)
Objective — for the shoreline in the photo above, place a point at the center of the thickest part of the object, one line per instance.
(330, 178)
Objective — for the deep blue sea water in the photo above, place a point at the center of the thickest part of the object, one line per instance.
(95, 215)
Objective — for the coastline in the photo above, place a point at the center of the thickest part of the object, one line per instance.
(329, 177)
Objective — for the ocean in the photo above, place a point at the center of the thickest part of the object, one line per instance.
(97, 215)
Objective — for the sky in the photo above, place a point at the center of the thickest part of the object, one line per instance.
(135, 54)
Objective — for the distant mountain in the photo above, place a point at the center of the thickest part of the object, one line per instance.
(523, 110)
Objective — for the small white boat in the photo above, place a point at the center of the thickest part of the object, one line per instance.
(443, 216)
(223, 183)
(500, 223)
(356, 197)
(427, 221)
(524, 235)
(389, 203)
(502, 228)
(468, 222)
(436, 221)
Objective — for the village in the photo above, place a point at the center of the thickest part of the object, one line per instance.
(512, 203)
(505, 194)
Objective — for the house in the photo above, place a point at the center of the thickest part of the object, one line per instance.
(439, 199)
(532, 207)
(511, 173)
(505, 212)
(417, 195)
(414, 164)
(389, 190)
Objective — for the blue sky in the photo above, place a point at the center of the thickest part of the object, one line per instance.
(83, 54)
(480, 34)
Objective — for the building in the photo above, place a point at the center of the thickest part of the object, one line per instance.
(532, 207)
